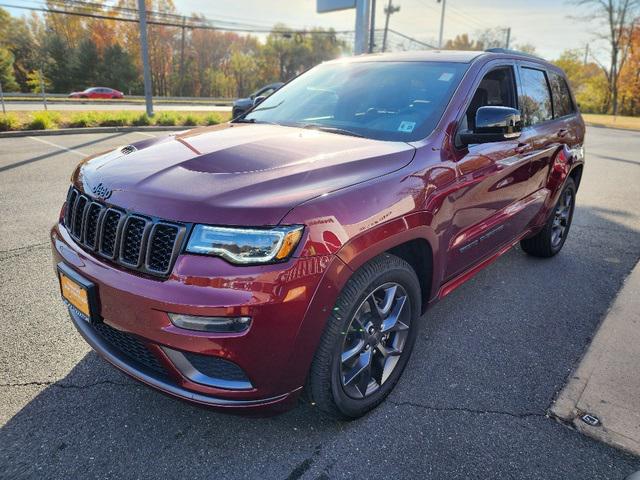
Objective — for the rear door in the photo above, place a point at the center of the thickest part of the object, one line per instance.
(545, 132)
(561, 130)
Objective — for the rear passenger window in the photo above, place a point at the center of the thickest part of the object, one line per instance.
(562, 104)
(536, 101)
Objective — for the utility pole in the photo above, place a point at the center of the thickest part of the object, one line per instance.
(586, 54)
(363, 8)
(144, 50)
(389, 10)
(508, 38)
(184, 19)
(441, 23)
(372, 27)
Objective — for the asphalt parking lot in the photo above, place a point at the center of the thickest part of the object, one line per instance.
(471, 404)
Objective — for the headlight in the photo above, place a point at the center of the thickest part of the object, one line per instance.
(245, 245)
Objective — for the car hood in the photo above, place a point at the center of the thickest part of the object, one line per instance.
(235, 174)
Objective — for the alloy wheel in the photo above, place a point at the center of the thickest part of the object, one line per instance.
(562, 217)
(374, 340)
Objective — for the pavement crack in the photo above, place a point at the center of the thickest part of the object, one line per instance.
(14, 252)
(469, 410)
(59, 384)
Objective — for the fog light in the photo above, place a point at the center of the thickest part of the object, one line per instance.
(210, 324)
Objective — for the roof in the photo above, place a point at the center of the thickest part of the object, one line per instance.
(456, 56)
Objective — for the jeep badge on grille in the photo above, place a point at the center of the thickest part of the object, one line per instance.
(101, 192)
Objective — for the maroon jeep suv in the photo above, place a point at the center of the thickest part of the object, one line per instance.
(299, 246)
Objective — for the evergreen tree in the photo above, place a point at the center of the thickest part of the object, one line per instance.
(58, 67)
(85, 64)
(117, 69)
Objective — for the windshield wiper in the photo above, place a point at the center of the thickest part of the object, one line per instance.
(325, 128)
(244, 120)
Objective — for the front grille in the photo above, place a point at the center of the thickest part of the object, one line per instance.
(133, 235)
(91, 224)
(216, 367)
(130, 346)
(163, 238)
(134, 241)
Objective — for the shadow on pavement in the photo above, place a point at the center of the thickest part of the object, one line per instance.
(59, 152)
(489, 362)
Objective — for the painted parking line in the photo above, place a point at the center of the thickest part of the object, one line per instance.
(146, 134)
(59, 147)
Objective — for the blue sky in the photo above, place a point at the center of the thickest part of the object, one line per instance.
(550, 25)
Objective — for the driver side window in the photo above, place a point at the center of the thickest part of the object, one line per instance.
(497, 88)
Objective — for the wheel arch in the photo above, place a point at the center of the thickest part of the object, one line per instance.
(414, 245)
(576, 174)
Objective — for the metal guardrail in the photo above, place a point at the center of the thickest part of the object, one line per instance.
(38, 96)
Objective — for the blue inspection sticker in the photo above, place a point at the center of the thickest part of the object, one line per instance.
(406, 127)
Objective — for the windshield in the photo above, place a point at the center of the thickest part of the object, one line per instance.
(400, 101)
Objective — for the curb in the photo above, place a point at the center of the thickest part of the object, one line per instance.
(604, 385)
(75, 131)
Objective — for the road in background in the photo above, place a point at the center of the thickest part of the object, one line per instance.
(471, 404)
(103, 106)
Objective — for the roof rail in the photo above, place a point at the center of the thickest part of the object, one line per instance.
(513, 52)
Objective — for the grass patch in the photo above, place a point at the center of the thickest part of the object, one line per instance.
(167, 119)
(141, 121)
(214, 118)
(43, 121)
(8, 122)
(190, 120)
(627, 123)
(47, 120)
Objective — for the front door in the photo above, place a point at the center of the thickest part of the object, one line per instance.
(495, 203)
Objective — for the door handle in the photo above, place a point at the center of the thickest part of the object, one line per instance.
(562, 132)
(523, 147)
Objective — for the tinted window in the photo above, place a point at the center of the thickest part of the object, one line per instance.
(497, 88)
(381, 100)
(536, 101)
(562, 104)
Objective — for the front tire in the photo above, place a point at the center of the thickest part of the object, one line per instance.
(368, 339)
(550, 240)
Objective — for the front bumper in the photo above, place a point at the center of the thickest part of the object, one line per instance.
(288, 304)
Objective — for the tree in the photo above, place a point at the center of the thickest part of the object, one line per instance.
(243, 69)
(619, 16)
(7, 77)
(492, 37)
(58, 63)
(588, 82)
(117, 69)
(17, 37)
(630, 77)
(35, 79)
(462, 42)
(85, 64)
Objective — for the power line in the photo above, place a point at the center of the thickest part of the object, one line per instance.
(190, 25)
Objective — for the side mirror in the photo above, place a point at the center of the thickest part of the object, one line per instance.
(258, 100)
(494, 124)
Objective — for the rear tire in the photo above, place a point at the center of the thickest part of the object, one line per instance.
(375, 323)
(550, 240)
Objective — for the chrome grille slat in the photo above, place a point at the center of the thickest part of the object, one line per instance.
(128, 239)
